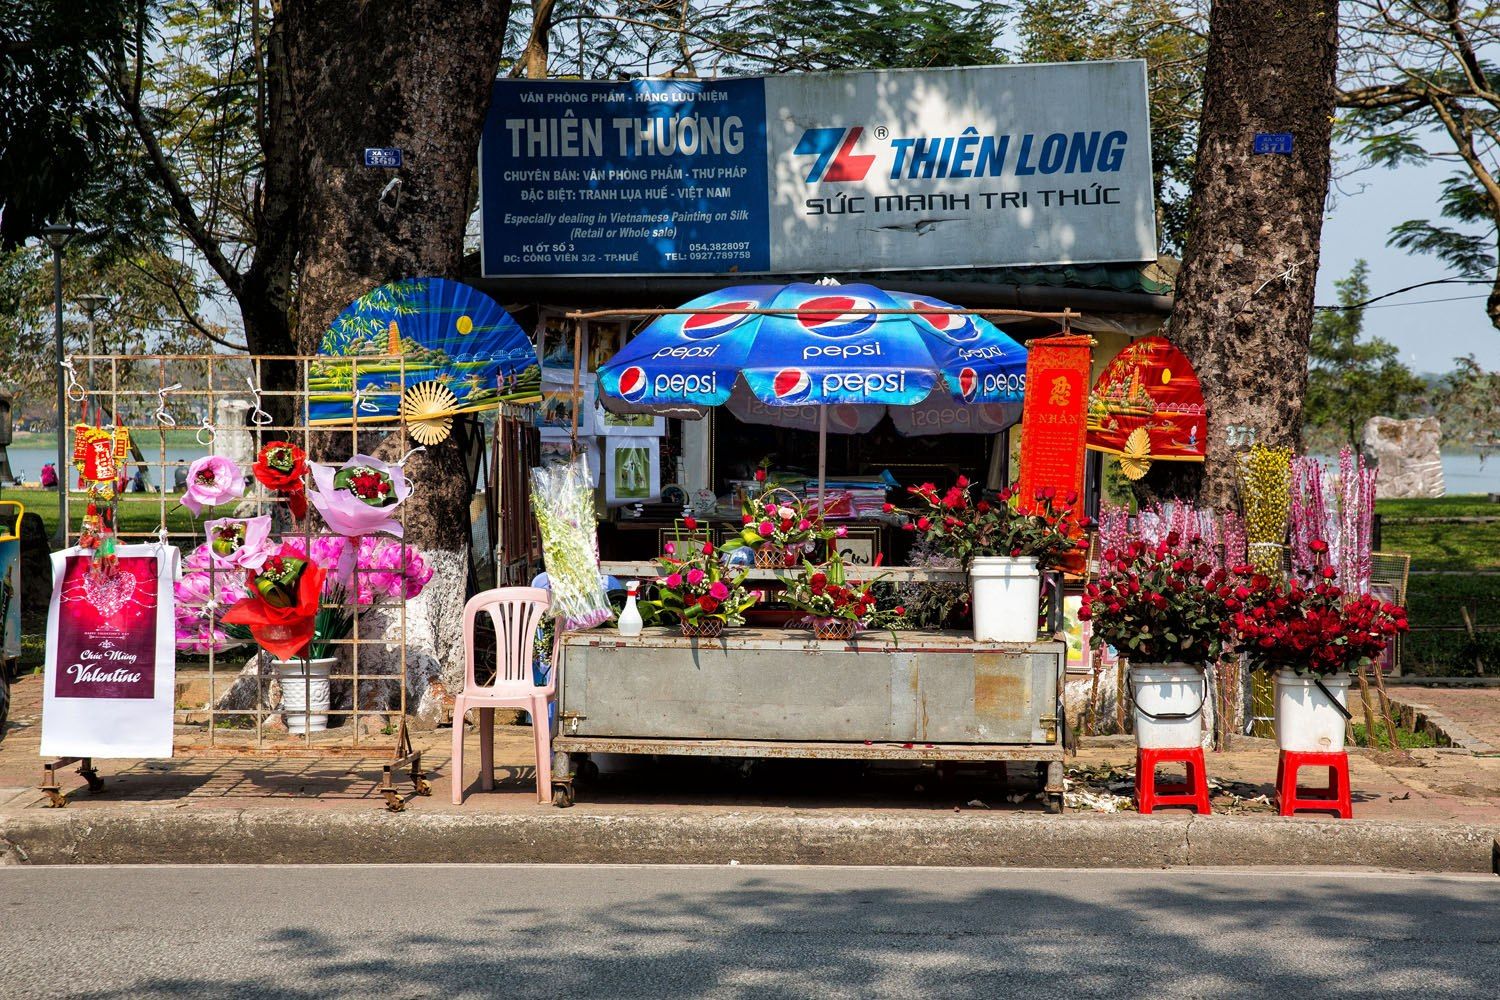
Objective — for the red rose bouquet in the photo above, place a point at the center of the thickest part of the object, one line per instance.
(282, 466)
(1160, 604)
(954, 523)
(1310, 627)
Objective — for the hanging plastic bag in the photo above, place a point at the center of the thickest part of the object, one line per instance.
(562, 498)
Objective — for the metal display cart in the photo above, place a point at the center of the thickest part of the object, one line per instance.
(780, 693)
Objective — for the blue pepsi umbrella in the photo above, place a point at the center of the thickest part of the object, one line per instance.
(802, 344)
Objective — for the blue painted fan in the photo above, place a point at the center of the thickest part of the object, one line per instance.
(425, 349)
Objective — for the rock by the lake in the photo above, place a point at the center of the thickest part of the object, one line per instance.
(1407, 455)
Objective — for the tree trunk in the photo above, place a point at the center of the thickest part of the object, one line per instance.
(534, 60)
(1245, 294)
(414, 75)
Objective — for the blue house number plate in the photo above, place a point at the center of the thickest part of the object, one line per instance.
(390, 156)
(1272, 142)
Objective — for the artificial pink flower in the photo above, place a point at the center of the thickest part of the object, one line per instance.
(239, 542)
(766, 527)
(694, 577)
(718, 590)
(671, 548)
(673, 580)
(841, 532)
(212, 480)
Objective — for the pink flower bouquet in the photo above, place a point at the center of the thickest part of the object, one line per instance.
(212, 480)
(239, 542)
(361, 496)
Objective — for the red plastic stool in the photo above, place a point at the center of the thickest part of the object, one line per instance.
(1192, 793)
(1335, 798)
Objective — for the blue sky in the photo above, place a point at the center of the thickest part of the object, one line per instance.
(1429, 334)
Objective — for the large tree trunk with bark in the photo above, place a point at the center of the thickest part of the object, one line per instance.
(414, 75)
(1245, 293)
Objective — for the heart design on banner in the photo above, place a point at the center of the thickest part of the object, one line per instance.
(108, 594)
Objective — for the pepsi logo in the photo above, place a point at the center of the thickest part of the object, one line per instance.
(968, 384)
(633, 384)
(837, 315)
(953, 325)
(791, 385)
(716, 320)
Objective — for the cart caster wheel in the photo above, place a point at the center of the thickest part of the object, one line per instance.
(587, 771)
(1055, 805)
(56, 800)
(96, 783)
(394, 803)
(423, 788)
(562, 796)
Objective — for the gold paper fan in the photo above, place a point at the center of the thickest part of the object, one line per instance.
(1135, 460)
(428, 409)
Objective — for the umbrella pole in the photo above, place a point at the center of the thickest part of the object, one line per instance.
(822, 459)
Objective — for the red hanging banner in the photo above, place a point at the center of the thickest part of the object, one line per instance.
(1054, 419)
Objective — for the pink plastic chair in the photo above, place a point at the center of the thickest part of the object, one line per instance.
(517, 613)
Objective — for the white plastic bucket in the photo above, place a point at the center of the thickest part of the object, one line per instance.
(1306, 720)
(304, 697)
(1007, 598)
(1168, 702)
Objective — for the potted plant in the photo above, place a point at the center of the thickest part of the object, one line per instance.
(776, 526)
(1310, 634)
(835, 607)
(295, 605)
(696, 589)
(1004, 548)
(1165, 609)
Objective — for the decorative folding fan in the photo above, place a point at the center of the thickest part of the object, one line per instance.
(1135, 457)
(428, 408)
(425, 348)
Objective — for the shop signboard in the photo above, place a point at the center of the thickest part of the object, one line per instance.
(833, 172)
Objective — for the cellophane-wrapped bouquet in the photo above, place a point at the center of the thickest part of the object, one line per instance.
(562, 497)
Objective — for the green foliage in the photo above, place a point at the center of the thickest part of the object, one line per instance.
(1351, 379)
(1467, 403)
(59, 145)
(1416, 86)
(1174, 49)
(1404, 737)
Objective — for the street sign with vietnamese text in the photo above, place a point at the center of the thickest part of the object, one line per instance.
(823, 172)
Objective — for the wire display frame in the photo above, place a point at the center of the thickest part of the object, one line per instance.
(167, 393)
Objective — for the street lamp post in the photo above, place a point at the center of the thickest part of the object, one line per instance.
(58, 238)
(91, 301)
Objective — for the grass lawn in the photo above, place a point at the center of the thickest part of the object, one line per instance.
(139, 513)
(1436, 600)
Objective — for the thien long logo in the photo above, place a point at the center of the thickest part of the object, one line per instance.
(834, 149)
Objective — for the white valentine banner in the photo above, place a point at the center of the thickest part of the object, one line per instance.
(111, 656)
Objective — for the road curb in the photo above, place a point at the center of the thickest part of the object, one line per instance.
(577, 836)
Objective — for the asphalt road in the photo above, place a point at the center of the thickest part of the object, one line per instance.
(481, 931)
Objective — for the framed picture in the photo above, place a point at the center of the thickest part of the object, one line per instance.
(604, 340)
(632, 470)
(559, 405)
(559, 451)
(554, 342)
(627, 424)
(860, 546)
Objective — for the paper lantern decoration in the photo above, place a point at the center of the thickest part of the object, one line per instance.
(1147, 407)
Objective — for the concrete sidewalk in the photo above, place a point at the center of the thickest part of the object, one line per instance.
(1439, 813)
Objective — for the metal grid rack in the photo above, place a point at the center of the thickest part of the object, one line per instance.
(187, 392)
